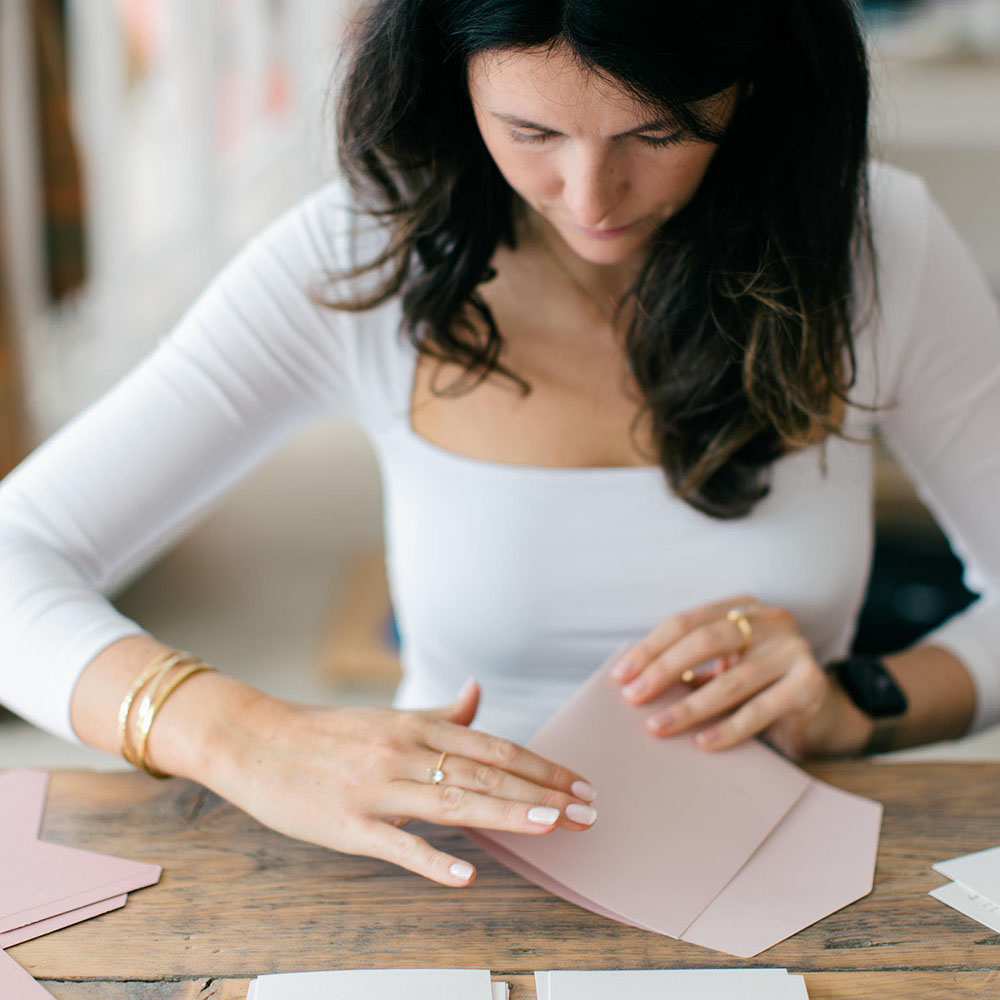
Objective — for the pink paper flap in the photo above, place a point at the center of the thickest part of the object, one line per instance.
(41, 927)
(674, 823)
(819, 859)
(16, 984)
(40, 880)
(533, 874)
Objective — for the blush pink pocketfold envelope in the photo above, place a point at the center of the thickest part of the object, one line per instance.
(733, 850)
(45, 887)
(40, 883)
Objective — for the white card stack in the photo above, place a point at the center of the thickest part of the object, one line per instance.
(975, 886)
(380, 984)
(684, 984)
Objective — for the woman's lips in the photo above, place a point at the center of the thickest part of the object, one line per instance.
(605, 234)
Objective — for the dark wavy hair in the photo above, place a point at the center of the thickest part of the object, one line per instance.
(741, 341)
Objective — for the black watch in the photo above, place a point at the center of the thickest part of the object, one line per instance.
(871, 687)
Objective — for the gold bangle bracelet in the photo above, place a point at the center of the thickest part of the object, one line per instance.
(152, 704)
(161, 663)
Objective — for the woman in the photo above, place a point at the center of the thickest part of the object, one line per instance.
(649, 328)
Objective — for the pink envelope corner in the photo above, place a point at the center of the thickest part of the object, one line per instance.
(819, 859)
(17, 984)
(28, 932)
(45, 883)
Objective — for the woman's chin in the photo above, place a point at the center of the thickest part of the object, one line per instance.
(607, 251)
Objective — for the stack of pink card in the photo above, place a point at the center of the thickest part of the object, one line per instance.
(45, 887)
(734, 850)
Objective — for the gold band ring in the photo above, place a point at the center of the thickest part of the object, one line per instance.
(434, 774)
(739, 617)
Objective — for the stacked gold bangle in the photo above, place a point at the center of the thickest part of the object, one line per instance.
(159, 680)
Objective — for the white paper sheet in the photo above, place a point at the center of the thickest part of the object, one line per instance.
(376, 984)
(979, 872)
(682, 984)
(965, 900)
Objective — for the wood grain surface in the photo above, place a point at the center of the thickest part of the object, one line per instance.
(237, 900)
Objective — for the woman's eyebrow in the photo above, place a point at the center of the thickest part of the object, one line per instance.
(657, 125)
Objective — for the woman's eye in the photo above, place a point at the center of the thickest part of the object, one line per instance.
(529, 136)
(659, 141)
(655, 141)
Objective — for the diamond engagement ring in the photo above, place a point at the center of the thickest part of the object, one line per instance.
(434, 774)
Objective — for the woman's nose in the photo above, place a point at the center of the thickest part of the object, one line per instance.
(593, 187)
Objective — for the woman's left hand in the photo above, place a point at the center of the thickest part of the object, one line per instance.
(758, 676)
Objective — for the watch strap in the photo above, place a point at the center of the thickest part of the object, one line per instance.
(870, 686)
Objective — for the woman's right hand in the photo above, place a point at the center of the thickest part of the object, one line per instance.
(350, 778)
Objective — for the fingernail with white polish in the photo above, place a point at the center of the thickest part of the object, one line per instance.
(581, 814)
(461, 870)
(657, 723)
(636, 688)
(583, 790)
(621, 667)
(543, 815)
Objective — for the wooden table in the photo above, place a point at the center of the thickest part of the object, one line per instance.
(237, 900)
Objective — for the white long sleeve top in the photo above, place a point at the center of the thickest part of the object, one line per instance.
(526, 577)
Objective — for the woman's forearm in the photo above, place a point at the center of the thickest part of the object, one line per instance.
(347, 779)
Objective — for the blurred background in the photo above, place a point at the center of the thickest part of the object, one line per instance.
(143, 141)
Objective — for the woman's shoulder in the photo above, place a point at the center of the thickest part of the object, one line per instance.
(276, 307)
(885, 286)
(326, 231)
(929, 286)
(899, 206)
(899, 202)
(334, 239)
(891, 180)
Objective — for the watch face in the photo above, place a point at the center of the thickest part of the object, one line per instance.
(871, 687)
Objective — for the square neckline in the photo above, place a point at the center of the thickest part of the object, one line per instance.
(412, 356)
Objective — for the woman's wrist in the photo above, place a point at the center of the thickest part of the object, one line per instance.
(199, 728)
(939, 696)
(842, 729)
(202, 727)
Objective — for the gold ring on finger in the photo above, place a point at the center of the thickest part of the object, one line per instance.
(434, 774)
(739, 618)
